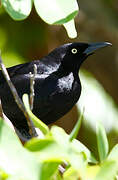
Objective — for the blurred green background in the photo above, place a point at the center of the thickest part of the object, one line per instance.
(30, 39)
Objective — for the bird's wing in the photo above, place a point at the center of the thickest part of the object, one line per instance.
(20, 70)
(12, 71)
(46, 65)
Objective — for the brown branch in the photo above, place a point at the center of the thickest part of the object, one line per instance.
(17, 98)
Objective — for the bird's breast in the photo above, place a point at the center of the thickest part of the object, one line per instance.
(58, 92)
(69, 88)
(56, 96)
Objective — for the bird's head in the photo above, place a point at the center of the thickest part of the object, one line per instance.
(73, 54)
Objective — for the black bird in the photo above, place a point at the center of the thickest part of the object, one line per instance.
(57, 84)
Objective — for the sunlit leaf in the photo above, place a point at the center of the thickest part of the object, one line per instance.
(102, 142)
(36, 144)
(113, 155)
(57, 146)
(71, 174)
(108, 170)
(57, 176)
(91, 172)
(79, 147)
(14, 158)
(48, 169)
(49, 161)
(58, 12)
(63, 138)
(17, 9)
(70, 28)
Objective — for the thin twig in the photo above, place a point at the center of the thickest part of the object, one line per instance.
(17, 98)
(32, 83)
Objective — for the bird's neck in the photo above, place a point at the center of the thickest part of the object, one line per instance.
(62, 71)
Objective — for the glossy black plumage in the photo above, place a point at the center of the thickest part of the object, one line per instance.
(57, 84)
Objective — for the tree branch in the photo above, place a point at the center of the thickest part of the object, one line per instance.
(17, 98)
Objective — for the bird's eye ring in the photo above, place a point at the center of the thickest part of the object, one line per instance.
(74, 50)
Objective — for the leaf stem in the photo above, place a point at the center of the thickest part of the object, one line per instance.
(37, 122)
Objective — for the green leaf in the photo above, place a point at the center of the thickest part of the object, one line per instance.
(47, 149)
(15, 160)
(57, 176)
(102, 142)
(91, 172)
(70, 28)
(17, 9)
(79, 147)
(56, 146)
(49, 160)
(75, 130)
(58, 12)
(75, 146)
(49, 168)
(39, 144)
(37, 122)
(113, 155)
(71, 174)
(63, 139)
(108, 170)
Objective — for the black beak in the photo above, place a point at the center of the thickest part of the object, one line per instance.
(94, 46)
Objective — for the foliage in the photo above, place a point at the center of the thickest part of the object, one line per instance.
(56, 13)
(55, 156)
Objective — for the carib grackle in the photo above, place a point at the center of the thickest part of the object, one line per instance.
(57, 84)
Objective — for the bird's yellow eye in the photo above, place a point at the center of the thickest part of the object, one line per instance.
(74, 50)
